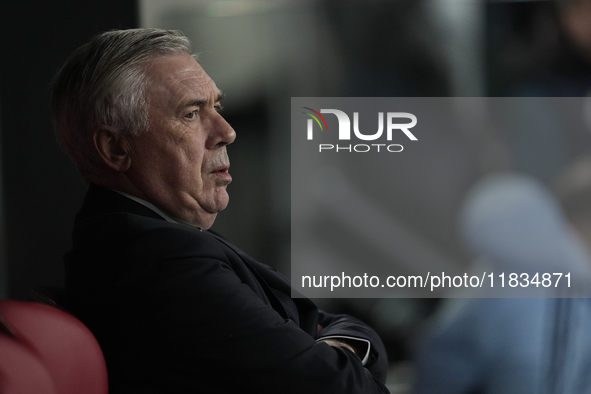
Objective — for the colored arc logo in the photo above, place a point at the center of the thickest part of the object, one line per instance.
(316, 118)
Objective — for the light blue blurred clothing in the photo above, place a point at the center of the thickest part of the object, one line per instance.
(514, 224)
(508, 345)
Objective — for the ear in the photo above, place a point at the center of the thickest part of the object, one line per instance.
(113, 149)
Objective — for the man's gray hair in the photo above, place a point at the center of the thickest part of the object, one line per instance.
(102, 85)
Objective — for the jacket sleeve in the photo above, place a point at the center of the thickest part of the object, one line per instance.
(350, 327)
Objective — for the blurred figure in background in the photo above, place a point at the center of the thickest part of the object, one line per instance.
(542, 49)
(574, 191)
(512, 223)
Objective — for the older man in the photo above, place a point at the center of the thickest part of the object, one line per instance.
(177, 308)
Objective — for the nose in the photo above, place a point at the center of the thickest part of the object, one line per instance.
(221, 133)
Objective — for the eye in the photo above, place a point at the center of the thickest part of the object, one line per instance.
(191, 115)
(219, 107)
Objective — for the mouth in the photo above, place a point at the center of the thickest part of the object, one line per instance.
(222, 173)
(221, 169)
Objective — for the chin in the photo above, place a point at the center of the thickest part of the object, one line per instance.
(220, 202)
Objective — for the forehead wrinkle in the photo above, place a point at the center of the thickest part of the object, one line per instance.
(198, 102)
(184, 87)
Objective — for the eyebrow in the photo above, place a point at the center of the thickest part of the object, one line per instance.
(199, 103)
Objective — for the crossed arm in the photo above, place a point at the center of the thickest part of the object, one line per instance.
(181, 316)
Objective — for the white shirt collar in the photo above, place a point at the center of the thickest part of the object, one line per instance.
(153, 208)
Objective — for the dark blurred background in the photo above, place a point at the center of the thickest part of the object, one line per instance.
(262, 53)
(41, 190)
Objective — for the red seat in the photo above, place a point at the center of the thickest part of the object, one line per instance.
(46, 350)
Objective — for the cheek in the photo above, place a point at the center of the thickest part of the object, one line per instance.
(189, 168)
(185, 153)
(190, 149)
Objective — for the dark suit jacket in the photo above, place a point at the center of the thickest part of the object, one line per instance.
(178, 310)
